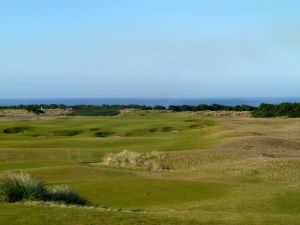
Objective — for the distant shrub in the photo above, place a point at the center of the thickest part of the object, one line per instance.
(159, 107)
(91, 110)
(35, 109)
(22, 187)
(283, 109)
(149, 161)
(213, 107)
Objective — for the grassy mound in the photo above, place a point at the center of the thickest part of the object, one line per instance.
(162, 129)
(194, 125)
(20, 187)
(149, 160)
(15, 130)
(103, 133)
(191, 120)
(65, 132)
(95, 129)
(58, 133)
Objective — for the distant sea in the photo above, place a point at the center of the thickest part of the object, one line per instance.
(149, 101)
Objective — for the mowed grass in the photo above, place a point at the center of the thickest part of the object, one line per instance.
(140, 132)
(223, 171)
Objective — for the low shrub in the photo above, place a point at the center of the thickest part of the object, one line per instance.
(14, 188)
(149, 161)
(67, 195)
(22, 187)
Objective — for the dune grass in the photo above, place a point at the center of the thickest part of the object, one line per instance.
(149, 160)
(22, 187)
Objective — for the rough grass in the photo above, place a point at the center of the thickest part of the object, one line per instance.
(149, 161)
(22, 187)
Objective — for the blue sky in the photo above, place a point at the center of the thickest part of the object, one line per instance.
(149, 48)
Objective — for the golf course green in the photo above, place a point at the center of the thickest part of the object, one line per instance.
(220, 170)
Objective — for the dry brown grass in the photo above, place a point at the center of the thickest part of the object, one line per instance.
(150, 160)
(266, 149)
(232, 114)
(24, 114)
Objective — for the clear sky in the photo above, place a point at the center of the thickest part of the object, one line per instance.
(149, 48)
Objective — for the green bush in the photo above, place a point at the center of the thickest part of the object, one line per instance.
(22, 187)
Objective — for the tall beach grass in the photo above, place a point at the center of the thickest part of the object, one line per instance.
(22, 187)
(149, 161)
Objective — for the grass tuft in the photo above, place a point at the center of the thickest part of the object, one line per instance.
(19, 187)
(22, 187)
(150, 160)
(66, 195)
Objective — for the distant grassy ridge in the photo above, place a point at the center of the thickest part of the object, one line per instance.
(264, 110)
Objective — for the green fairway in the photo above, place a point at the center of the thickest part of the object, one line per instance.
(222, 170)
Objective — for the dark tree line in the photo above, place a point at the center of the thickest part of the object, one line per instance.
(272, 110)
(264, 110)
(213, 107)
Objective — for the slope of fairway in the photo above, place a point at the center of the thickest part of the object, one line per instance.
(140, 132)
(222, 170)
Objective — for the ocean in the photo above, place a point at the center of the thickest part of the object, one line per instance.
(149, 101)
